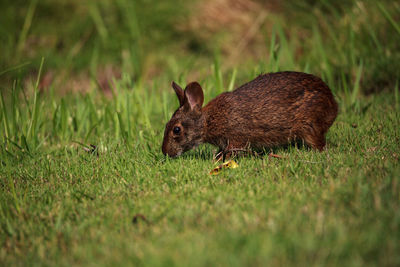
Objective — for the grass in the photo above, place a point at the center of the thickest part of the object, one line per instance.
(120, 201)
(61, 205)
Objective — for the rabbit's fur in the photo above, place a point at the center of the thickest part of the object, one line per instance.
(273, 109)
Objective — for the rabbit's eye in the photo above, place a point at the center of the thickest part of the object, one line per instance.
(176, 130)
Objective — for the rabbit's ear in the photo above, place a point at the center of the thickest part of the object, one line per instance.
(179, 93)
(194, 95)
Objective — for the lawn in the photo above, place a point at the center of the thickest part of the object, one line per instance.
(83, 180)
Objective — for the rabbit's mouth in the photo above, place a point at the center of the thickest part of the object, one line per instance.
(174, 155)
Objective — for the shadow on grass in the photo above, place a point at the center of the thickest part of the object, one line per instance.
(208, 154)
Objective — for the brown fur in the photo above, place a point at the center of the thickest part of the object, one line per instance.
(274, 109)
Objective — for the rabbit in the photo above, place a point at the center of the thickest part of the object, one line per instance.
(272, 110)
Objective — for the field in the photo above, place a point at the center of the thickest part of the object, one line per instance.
(83, 180)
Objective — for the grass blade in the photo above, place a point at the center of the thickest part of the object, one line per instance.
(217, 73)
(35, 111)
(232, 81)
(26, 27)
(356, 89)
(386, 14)
(121, 126)
(5, 117)
(98, 21)
(15, 68)
(396, 95)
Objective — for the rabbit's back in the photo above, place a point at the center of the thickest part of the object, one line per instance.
(271, 110)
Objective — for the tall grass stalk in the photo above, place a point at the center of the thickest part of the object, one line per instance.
(95, 14)
(232, 80)
(273, 49)
(27, 25)
(322, 56)
(17, 67)
(35, 109)
(387, 15)
(130, 18)
(286, 49)
(396, 95)
(356, 88)
(5, 117)
(218, 82)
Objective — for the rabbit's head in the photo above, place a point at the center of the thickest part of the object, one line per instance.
(185, 130)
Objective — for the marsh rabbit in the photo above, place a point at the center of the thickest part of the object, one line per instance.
(273, 109)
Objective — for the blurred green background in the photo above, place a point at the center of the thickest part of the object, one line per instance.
(87, 43)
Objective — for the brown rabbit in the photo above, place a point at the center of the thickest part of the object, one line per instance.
(273, 109)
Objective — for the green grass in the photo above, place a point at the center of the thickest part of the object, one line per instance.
(64, 202)
(61, 205)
